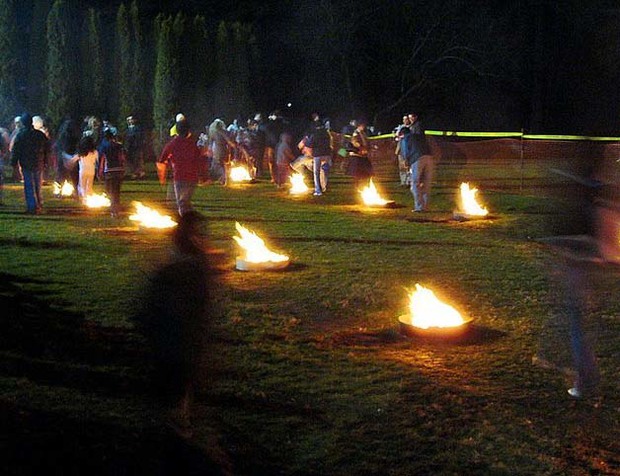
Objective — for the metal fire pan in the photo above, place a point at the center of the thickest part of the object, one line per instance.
(433, 332)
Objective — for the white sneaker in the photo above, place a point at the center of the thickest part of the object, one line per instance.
(575, 392)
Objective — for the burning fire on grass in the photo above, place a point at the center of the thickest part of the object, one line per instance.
(64, 190)
(97, 201)
(469, 206)
(255, 254)
(371, 196)
(147, 217)
(240, 174)
(298, 186)
(428, 315)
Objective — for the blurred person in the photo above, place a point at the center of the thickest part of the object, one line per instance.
(188, 166)
(284, 157)
(67, 141)
(112, 169)
(175, 318)
(30, 152)
(18, 125)
(255, 143)
(586, 249)
(273, 128)
(88, 157)
(318, 142)
(403, 169)
(417, 154)
(4, 158)
(360, 167)
(135, 147)
(39, 124)
(221, 147)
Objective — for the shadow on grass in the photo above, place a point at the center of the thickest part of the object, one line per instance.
(23, 242)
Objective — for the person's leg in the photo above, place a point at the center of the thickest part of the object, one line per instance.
(316, 174)
(415, 186)
(37, 183)
(28, 177)
(426, 180)
(326, 164)
(184, 192)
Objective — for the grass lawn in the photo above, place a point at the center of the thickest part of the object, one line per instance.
(308, 371)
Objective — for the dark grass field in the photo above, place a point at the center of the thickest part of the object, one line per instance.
(308, 373)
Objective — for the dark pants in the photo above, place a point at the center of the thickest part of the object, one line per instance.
(32, 189)
(113, 181)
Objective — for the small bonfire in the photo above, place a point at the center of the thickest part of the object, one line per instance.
(95, 200)
(147, 217)
(255, 254)
(240, 174)
(64, 190)
(469, 208)
(298, 186)
(372, 198)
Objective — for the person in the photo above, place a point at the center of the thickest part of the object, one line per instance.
(586, 247)
(88, 157)
(403, 169)
(221, 149)
(284, 157)
(17, 127)
(4, 156)
(255, 143)
(417, 154)
(134, 145)
(30, 152)
(66, 147)
(318, 141)
(175, 318)
(38, 123)
(360, 167)
(112, 168)
(273, 128)
(188, 167)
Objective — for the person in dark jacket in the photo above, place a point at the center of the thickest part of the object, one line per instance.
(135, 147)
(112, 167)
(360, 167)
(30, 152)
(417, 154)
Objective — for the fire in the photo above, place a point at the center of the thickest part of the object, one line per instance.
(97, 201)
(150, 218)
(469, 205)
(240, 174)
(298, 186)
(66, 190)
(254, 248)
(427, 311)
(371, 196)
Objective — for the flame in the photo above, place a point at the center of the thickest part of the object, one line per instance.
(240, 174)
(150, 218)
(66, 190)
(469, 205)
(371, 197)
(298, 186)
(254, 248)
(427, 310)
(97, 201)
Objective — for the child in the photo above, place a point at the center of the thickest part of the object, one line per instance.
(87, 160)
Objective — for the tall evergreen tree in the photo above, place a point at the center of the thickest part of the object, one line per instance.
(93, 83)
(37, 55)
(61, 67)
(8, 89)
(140, 61)
(164, 84)
(203, 71)
(125, 55)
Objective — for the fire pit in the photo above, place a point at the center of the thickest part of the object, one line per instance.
(371, 197)
(430, 317)
(470, 209)
(240, 174)
(298, 186)
(255, 254)
(64, 190)
(97, 201)
(150, 218)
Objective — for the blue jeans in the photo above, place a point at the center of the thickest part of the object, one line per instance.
(32, 189)
(183, 192)
(320, 170)
(422, 171)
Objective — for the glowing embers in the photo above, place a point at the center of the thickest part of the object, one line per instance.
(255, 254)
(64, 190)
(147, 217)
(97, 201)
(469, 206)
(429, 316)
(371, 197)
(240, 174)
(298, 186)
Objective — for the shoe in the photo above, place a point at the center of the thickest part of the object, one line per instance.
(575, 392)
(317, 194)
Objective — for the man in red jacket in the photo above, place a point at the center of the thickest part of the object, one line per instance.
(188, 166)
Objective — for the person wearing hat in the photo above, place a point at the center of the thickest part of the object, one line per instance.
(30, 152)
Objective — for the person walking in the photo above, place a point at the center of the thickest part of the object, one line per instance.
(112, 168)
(30, 152)
(417, 154)
(360, 167)
(188, 166)
(88, 157)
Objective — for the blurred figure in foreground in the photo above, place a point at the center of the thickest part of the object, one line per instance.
(176, 317)
(588, 247)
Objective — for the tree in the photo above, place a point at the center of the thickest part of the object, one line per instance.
(8, 89)
(93, 83)
(140, 61)
(61, 68)
(125, 54)
(37, 54)
(164, 84)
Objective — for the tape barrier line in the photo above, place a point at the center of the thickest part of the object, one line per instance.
(504, 135)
